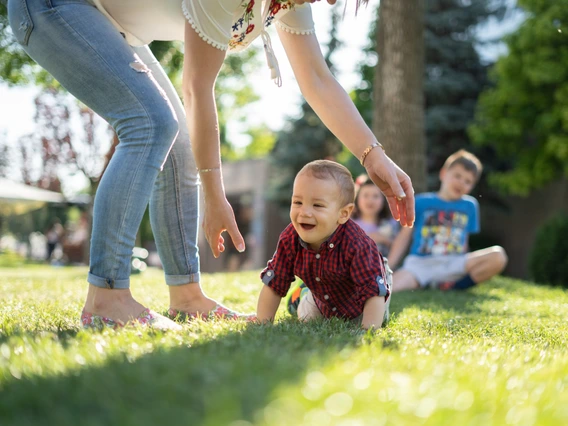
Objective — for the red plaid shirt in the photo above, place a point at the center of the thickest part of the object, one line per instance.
(346, 272)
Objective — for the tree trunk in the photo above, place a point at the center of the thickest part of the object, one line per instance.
(398, 120)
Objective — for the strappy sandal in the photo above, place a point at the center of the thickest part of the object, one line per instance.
(219, 312)
(146, 318)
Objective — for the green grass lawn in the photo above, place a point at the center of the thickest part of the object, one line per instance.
(494, 356)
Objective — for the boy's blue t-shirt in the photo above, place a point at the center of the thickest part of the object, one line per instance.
(442, 227)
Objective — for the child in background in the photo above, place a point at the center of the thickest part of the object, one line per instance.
(439, 255)
(340, 265)
(372, 216)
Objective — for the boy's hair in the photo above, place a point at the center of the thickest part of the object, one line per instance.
(469, 162)
(326, 169)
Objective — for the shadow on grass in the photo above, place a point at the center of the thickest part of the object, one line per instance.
(465, 302)
(216, 381)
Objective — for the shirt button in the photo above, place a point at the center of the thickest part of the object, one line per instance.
(318, 279)
(326, 296)
(334, 309)
(381, 281)
(318, 256)
(331, 245)
(269, 273)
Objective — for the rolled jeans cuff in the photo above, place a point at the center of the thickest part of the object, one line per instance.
(182, 279)
(108, 282)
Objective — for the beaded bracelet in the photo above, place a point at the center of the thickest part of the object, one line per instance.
(369, 149)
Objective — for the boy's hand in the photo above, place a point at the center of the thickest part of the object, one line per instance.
(394, 183)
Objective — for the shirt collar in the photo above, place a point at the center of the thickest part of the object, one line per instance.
(331, 243)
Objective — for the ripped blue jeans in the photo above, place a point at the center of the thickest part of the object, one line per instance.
(152, 163)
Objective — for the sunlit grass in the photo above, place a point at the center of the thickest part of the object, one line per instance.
(493, 356)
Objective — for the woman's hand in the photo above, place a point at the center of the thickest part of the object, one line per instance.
(394, 183)
(218, 218)
(337, 111)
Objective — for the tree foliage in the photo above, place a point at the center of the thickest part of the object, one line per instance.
(68, 139)
(548, 261)
(525, 116)
(262, 142)
(454, 76)
(16, 67)
(4, 156)
(302, 140)
(233, 91)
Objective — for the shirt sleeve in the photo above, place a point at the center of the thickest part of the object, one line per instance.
(279, 272)
(211, 19)
(368, 273)
(298, 21)
(473, 222)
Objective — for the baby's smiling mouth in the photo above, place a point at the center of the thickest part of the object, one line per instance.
(307, 226)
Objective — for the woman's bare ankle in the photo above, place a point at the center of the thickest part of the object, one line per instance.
(189, 298)
(118, 304)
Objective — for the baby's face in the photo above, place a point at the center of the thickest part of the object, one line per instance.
(316, 209)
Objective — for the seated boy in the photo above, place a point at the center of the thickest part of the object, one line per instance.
(337, 261)
(439, 255)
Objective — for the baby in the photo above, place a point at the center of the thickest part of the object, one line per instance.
(339, 264)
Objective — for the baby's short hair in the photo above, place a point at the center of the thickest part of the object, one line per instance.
(326, 169)
(469, 162)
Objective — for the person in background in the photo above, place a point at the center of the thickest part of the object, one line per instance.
(438, 242)
(373, 216)
(54, 236)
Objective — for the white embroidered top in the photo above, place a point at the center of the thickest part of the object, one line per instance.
(224, 24)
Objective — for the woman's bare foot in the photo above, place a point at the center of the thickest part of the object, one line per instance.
(189, 298)
(117, 305)
(188, 301)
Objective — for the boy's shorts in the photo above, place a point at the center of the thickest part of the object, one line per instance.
(428, 269)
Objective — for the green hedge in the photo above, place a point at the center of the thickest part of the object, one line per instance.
(548, 263)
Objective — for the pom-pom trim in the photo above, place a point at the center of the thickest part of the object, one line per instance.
(292, 31)
(198, 30)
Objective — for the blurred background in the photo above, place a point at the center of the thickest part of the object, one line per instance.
(429, 77)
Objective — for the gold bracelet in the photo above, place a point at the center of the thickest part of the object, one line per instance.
(208, 170)
(369, 149)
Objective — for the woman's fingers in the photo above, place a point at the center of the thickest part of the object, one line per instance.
(214, 244)
(214, 233)
(236, 237)
(409, 201)
(393, 206)
(395, 184)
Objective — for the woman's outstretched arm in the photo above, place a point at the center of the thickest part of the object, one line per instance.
(201, 66)
(333, 105)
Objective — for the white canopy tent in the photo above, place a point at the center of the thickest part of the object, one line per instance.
(18, 198)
